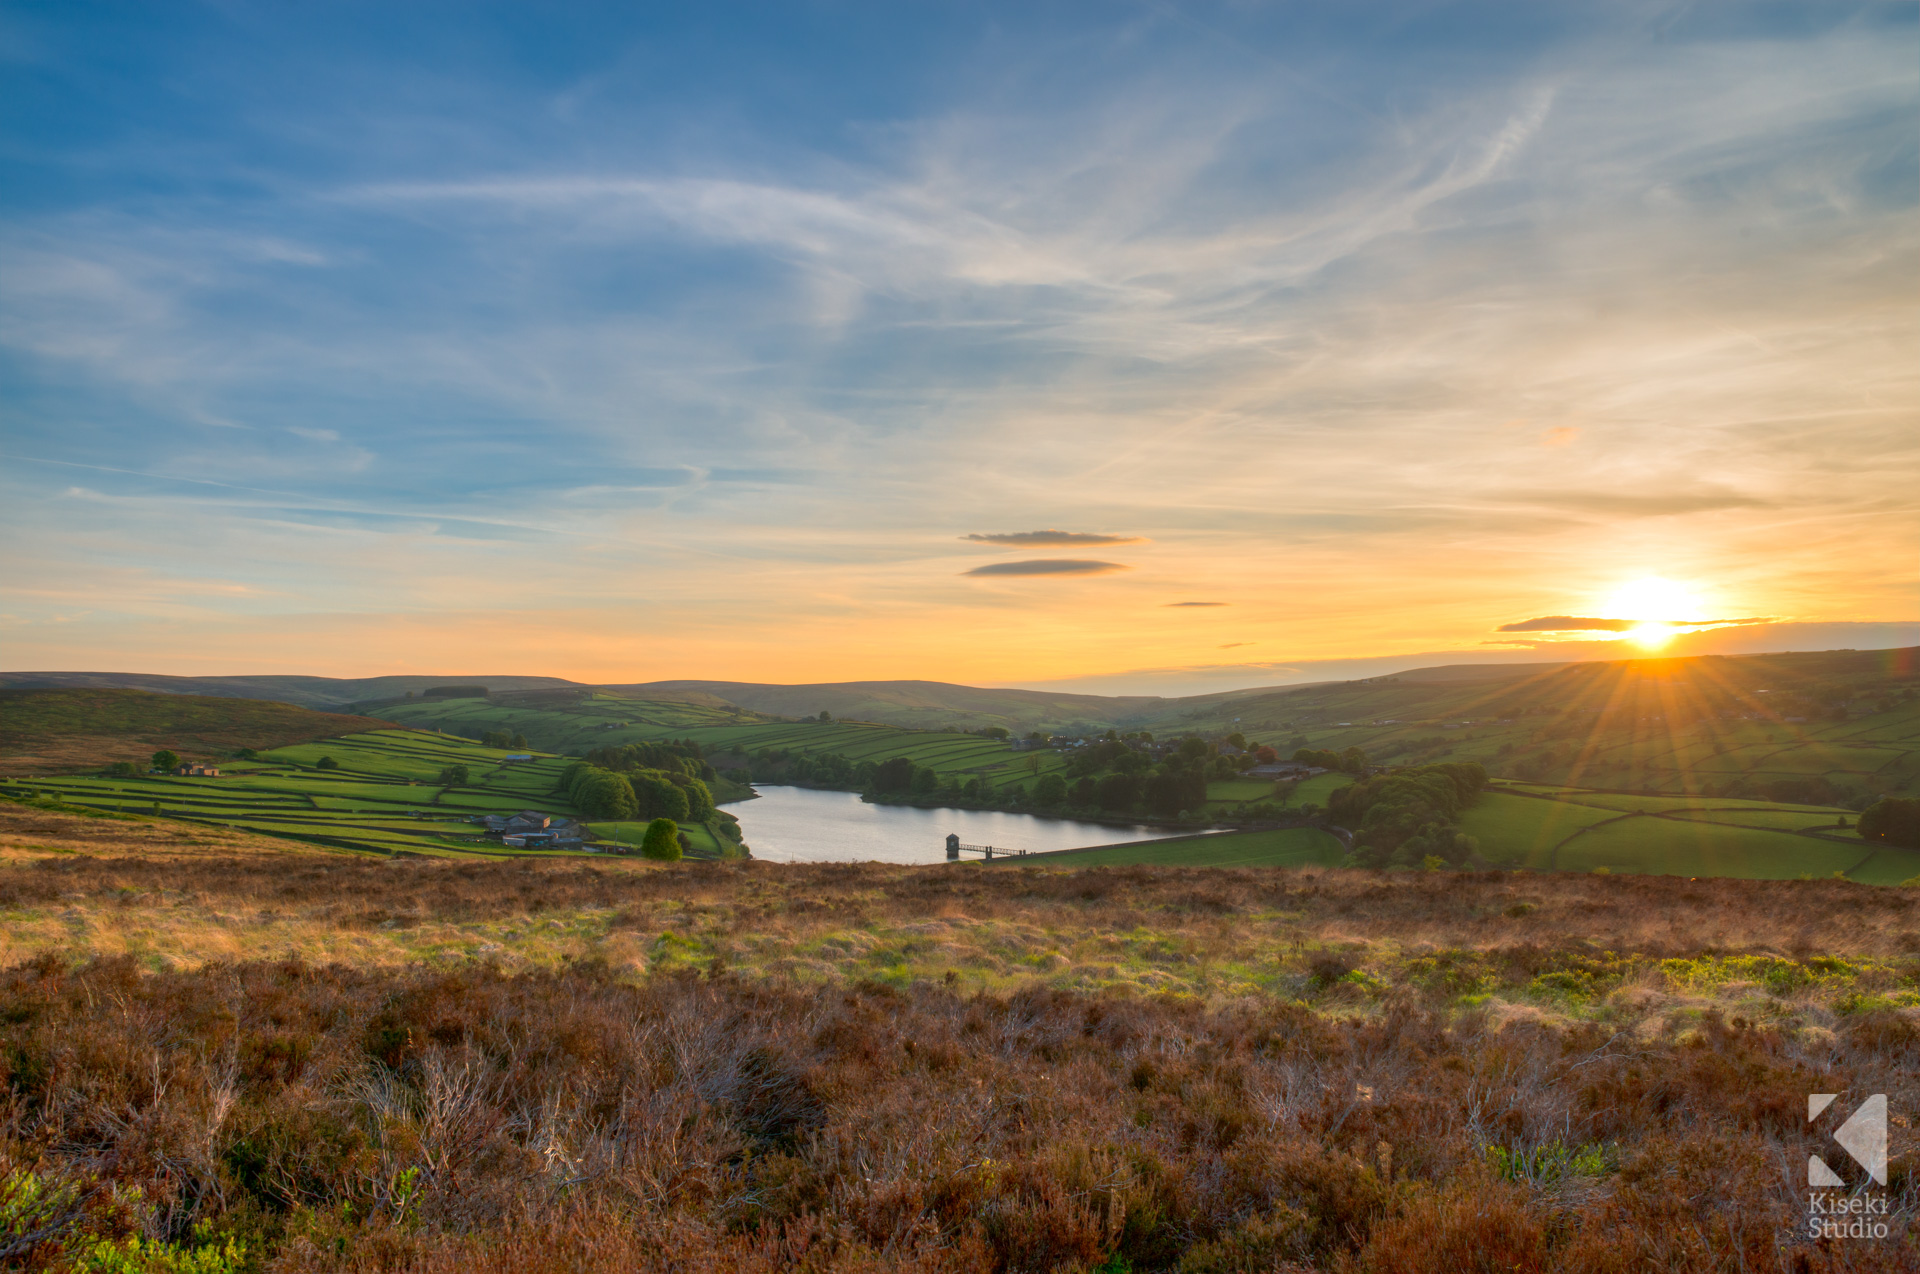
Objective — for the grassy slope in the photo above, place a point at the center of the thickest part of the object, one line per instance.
(49, 730)
(608, 719)
(381, 797)
(325, 693)
(1568, 829)
(1515, 721)
(925, 704)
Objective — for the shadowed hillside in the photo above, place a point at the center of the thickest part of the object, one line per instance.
(44, 731)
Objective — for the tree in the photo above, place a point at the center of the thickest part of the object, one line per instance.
(326, 763)
(1238, 740)
(519, 741)
(1050, 790)
(166, 759)
(497, 739)
(895, 774)
(700, 806)
(454, 776)
(1117, 792)
(1892, 819)
(662, 841)
(121, 770)
(659, 796)
(1085, 792)
(926, 782)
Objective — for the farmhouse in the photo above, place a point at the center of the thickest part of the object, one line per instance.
(198, 771)
(532, 829)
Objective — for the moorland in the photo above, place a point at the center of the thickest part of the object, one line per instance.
(247, 1053)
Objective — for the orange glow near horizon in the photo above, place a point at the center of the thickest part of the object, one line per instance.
(1656, 604)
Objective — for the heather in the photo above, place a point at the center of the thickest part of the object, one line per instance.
(419, 1064)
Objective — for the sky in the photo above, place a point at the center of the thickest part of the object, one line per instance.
(1147, 348)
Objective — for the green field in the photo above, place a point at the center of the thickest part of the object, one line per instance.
(1658, 845)
(1568, 829)
(381, 797)
(604, 720)
(1287, 847)
(1524, 830)
(706, 841)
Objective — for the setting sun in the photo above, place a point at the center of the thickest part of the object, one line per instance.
(1655, 603)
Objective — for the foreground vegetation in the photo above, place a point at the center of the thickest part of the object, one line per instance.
(285, 1059)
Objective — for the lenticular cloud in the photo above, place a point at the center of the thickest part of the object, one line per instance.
(1048, 566)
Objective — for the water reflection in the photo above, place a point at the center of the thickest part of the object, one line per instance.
(801, 825)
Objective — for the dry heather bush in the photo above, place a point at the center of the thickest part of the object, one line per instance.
(1441, 1072)
(335, 1118)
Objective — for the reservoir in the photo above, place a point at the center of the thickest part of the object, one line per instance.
(803, 825)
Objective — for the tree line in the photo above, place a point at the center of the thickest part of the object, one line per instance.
(637, 792)
(1407, 817)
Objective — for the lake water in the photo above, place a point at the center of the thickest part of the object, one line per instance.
(802, 825)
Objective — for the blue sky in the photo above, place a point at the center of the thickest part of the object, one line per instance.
(620, 342)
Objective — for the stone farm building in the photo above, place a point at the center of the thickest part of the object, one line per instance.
(531, 829)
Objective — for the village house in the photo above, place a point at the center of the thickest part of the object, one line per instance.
(198, 771)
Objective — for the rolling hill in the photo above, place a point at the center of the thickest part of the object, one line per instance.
(324, 693)
(924, 704)
(42, 731)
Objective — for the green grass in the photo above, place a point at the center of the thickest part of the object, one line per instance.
(1888, 866)
(1317, 790)
(607, 720)
(1287, 847)
(369, 803)
(705, 842)
(1783, 819)
(1525, 829)
(1658, 846)
(1675, 836)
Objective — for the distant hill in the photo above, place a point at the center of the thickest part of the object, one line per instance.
(44, 731)
(922, 704)
(307, 692)
(1472, 672)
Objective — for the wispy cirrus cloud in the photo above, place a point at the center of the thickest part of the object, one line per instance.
(1267, 326)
